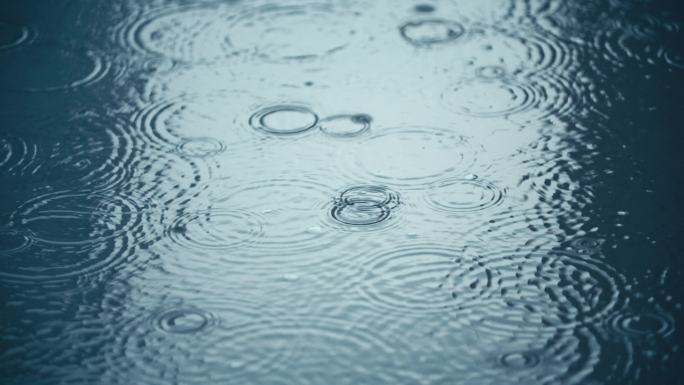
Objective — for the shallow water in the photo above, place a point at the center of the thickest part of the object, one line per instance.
(342, 192)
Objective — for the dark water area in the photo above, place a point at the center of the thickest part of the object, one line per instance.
(341, 192)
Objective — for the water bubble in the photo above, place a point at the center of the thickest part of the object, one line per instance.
(284, 119)
(345, 125)
(456, 195)
(430, 32)
(52, 68)
(364, 205)
(185, 321)
(201, 147)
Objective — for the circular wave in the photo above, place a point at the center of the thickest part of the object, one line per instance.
(410, 278)
(291, 209)
(13, 241)
(52, 68)
(17, 156)
(190, 121)
(215, 229)
(535, 292)
(533, 99)
(345, 125)
(185, 321)
(586, 246)
(13, 35)
(207, 33)
(646, 40)
(408, 156)
(236, 342)
(516, 52)
(430, 32)
(74, 234)
(86, 149)
(462, 195)
(201, 147)
(654, 324)
(284, 119)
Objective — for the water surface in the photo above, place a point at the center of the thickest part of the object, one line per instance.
(341, 192)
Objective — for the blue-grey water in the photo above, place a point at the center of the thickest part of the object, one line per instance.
(341, 192)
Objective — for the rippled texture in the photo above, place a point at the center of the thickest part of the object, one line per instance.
(341, 192)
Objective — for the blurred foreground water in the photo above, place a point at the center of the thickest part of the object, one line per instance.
(341, 192)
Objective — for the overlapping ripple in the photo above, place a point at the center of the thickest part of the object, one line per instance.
(646, 40)
(526, 100)
(409, 156)
(207, 33)
(83, 148)
(364, 206)
(73, 234)
(190, 122)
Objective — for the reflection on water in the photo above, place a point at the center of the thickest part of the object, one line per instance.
(340, 192)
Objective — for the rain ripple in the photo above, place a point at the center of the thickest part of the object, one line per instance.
(364, 205)
(73, 234)
(531, 99)
(76, 67)
(13, 35)
(463, 195)
(409, 156)
(207, 33)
